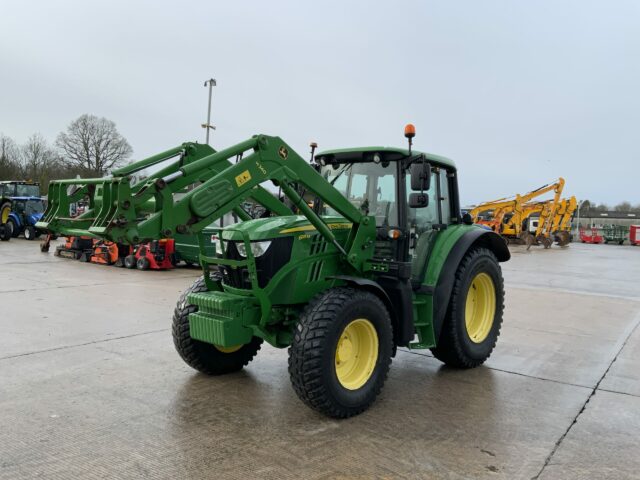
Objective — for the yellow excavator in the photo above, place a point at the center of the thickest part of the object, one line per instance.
(509, 216)
(491, 214)
(561, 226)
(552, 223)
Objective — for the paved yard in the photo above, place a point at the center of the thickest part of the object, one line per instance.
(91, 388)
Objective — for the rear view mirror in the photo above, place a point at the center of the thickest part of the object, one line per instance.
(420, 176)
(418, 200)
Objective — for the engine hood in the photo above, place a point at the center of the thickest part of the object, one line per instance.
(34, 218)
(274, 227)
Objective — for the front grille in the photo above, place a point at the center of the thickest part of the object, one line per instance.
(267, 265)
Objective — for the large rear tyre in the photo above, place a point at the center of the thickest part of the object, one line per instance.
(341, 351)
(6, 231)
(474, 316)
(202, 356)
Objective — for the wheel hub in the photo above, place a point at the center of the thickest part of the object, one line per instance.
(480, 307)
(356, 354)
(345, 350)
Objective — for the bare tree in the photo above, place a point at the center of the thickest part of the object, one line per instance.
(9, 158)
(601, 207)
(93, 145)
(623, 207)
(37, 158)
(585, 205)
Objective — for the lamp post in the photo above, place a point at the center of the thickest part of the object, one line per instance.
(207, 126)
(578, 223)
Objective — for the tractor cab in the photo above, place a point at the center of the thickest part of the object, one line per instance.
(408, 212)
(13, 188)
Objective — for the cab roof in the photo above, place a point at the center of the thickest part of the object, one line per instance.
(395, 153)
(18, 182)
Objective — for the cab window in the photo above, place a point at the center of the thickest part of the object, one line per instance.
(370, 187)
(421, 221)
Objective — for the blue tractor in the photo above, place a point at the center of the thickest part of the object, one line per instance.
(25, 213)
(10, 189)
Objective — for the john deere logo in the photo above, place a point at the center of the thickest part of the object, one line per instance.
(243, 178)
(283, 152)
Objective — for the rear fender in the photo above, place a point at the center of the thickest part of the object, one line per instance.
(447, 254)
(16, 219)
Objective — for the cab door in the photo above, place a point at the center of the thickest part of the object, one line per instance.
(425, 223)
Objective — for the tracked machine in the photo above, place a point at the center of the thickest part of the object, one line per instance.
(382, 259)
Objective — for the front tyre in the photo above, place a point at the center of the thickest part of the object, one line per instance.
(13, 227)
(205, 357)
(143, 263)
(29, 233)
(130, 261)
(474, 316)
(341, 351)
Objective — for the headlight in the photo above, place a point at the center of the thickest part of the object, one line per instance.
(257, 248)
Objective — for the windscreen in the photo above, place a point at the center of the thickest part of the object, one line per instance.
(370, 187)
(27, 190)
(34, 206)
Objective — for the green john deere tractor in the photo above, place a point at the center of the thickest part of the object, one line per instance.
(382, 258)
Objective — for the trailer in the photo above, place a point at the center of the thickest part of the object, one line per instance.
(615, 233)
(634, 234)
(590, 235)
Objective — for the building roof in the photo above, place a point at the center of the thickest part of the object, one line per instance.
(609, 214)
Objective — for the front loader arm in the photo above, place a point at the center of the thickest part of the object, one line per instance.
(270, 159)
(147, 210)
(116, 204)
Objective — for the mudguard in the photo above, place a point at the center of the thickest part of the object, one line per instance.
(16, 219)
(396, 296)
(472, 237)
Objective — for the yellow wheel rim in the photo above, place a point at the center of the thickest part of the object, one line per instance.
(4, 215)
(480, 308)
(235, 348)
(356, 354)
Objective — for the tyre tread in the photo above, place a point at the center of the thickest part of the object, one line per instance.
(191, 350)
(305, 352)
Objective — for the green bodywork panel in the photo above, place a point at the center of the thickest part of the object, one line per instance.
(424, 307)
(188, 247)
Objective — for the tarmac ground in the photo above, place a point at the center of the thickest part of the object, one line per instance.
(91, 387)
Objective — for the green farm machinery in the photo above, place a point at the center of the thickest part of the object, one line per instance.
(382, 258)
(615, 233)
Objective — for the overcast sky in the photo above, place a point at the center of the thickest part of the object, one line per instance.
(516, 92)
